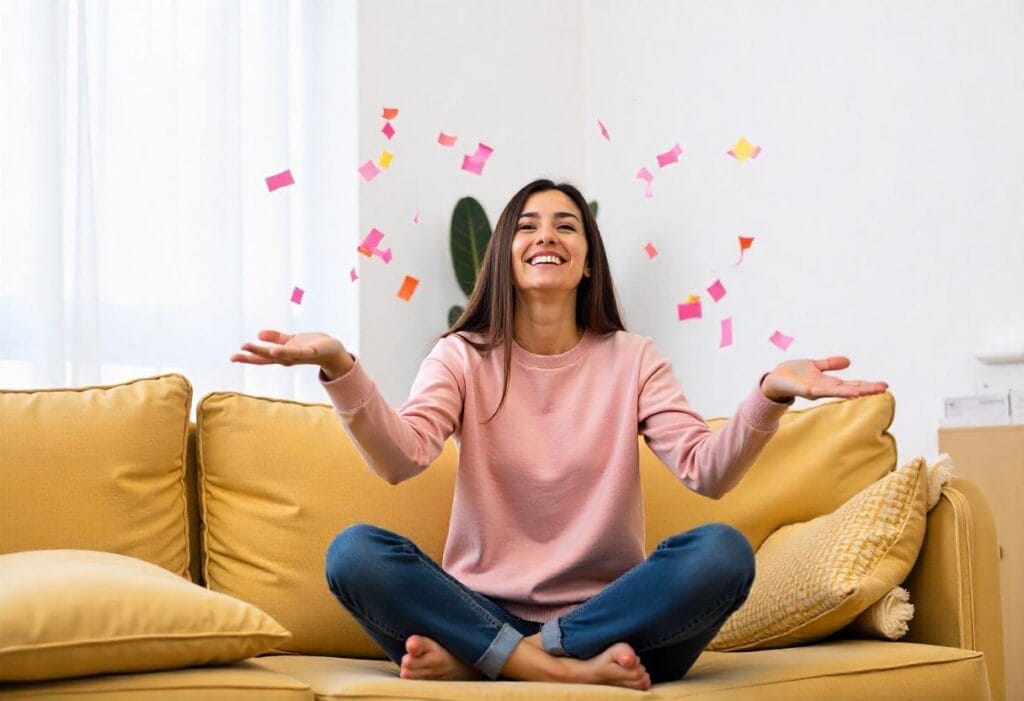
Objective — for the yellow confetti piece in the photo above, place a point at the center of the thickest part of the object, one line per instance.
(385, 159)
(743, 150)
(692, 298)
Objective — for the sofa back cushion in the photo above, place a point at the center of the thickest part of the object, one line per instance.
(97, 468)
(819, 458)
(278, 480)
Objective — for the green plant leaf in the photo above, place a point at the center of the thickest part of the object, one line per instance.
(470, 233)
(593, 207)
(453, 315)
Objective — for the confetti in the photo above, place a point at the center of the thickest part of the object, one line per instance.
(692, 298)
(369, 171)
(390, 112)
(745, 243)
(644, 174)
(651, 250)
(388, 130)
(416, 217)
(689, 310)
(726, 335)
(297, 295)
(384, 255)
(743, 150)
(372, 239)
(282, 179)
(408, 287)
(476, 162)
(385, 159)
(716, 290)
(670, 156)
(446, 140)
(604, 131)
(781, 340)
(352, 275)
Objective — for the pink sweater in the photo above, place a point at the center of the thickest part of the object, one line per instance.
(547, 508)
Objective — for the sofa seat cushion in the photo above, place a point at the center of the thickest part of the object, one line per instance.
(836, 669)
(347, 678)
(839, 669)
(243, 681)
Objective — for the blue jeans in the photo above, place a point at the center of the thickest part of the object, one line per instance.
(668, 608)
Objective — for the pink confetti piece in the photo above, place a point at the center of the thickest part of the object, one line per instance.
(644, 174)
(726, 335)
(282, 179)
(716, 290)
(689, 310)
(416, 217)
(372, 239)
(781, 340)
(651, 250)
(670, 156)
(384, 255)
(352, 275)
(409, 285)
(389, 112)
(604, 131)
(369, 170)
(388, 130)
(745, 243)
(476, 162)
(446, 140)
(297, 295)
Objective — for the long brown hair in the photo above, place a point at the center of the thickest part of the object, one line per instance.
(491, 308)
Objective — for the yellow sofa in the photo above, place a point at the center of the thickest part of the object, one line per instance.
(244, 500)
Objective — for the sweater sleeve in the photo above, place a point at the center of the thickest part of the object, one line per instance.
(400, 444)
(709, 463)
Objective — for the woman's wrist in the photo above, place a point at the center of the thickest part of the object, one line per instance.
(338, 366)
(773, 395)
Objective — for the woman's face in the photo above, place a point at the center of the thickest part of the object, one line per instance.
(549, 251)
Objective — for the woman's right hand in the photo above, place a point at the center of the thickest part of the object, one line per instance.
(297, 349)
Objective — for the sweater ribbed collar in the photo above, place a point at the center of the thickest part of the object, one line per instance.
(525, 357)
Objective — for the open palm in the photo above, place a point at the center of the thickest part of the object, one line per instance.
(290, 349)
(806, 378)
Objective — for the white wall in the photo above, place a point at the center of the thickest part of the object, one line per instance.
(505, 74)
(885, 206)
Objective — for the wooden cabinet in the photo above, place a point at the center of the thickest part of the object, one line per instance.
(993, 458)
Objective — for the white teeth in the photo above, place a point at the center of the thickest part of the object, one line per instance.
(545, 259)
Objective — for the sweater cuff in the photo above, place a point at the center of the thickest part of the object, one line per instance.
(348, 392)
(761, 412)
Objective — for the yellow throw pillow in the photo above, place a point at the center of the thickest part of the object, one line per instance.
(278, 480)
(70, 613)
(845, 444)
(97, 468)
(814, 578)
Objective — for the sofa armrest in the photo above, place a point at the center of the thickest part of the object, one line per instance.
(954, 585)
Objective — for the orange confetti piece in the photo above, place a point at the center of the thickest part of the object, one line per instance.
(390, 112)
(408, 287)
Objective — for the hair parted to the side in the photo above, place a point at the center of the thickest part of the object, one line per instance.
(491, 308)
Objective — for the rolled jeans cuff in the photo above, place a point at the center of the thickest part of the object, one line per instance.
(551, 638)
(495, 656)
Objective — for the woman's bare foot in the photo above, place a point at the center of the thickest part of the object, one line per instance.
(616, 666)
(427, 659)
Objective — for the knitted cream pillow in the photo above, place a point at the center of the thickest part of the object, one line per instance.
(814, 578)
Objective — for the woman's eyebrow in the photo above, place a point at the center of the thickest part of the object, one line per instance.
(558, 215)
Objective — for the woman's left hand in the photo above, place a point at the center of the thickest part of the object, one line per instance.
(806, 378)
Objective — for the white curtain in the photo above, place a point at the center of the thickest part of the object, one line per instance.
(137, 233)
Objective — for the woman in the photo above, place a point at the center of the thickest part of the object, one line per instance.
(544, 575)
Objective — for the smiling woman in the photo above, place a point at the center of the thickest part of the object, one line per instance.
(547, 514)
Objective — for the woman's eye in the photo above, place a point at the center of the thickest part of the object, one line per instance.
(524, 227)
(567, 227)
